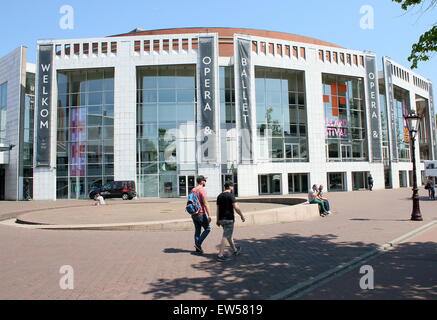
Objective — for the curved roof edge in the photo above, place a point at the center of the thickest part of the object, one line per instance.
(228, 32)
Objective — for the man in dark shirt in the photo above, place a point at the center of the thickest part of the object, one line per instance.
(226, 204)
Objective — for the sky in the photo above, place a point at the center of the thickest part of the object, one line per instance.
(337, 21)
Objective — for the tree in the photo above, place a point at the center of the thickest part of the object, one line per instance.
(427, 44)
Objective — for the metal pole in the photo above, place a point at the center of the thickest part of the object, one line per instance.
(415, 215)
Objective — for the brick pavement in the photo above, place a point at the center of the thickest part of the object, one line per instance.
(406, 272)
(160, 265)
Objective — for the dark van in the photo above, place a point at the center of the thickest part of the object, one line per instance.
(116, 189)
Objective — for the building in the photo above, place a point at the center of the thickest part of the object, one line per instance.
(17, 96)
(273, 112)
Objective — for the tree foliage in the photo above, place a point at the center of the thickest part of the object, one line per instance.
(427, 44)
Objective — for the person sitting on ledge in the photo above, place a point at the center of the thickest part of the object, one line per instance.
(313, 198)
(99, 200)
(325, 201)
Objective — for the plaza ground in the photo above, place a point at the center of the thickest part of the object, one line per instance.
(161, 265)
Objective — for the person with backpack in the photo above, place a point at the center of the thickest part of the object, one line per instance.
(226, 204)
(198, 208)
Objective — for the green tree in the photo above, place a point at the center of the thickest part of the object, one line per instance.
(427, 44)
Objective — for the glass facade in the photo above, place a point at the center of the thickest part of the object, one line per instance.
(166, 128)
(402, 107)
(345, 118)
(384, 126)
(3, 110)
(281, 115)
(27, 156)
(85, 136)
(228, 117)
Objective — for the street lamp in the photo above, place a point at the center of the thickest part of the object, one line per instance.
(7, 148)
(412, 121)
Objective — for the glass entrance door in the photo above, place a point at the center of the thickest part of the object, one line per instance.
(186, 184)
(269, 184)
(182, 186)
(232, 178)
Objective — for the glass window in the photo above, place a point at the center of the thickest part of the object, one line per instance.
(345, 118)
(281, 108)
(166, 102)
(88, 158)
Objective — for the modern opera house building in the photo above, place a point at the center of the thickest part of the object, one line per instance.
(273, 112)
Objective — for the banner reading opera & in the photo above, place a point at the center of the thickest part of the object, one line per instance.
(375, 115)
(207, 100)
(243, 78)
(44, 105)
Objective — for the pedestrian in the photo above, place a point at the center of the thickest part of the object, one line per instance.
(370, 182)
(431, 190)
(313, 198)
(99, 200)
(226, 205)
(325, 201)
(201, 219)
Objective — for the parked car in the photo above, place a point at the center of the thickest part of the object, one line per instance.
(115, 189)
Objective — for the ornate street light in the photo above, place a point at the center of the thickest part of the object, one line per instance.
(412, 121)
(6, 148)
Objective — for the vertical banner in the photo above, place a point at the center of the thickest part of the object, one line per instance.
(243, 78)
(432, 118)
(375, 114)
(44, 105)
(208, 133)
(391, 106)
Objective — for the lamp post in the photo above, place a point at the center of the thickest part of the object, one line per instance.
(413, 122)
(7, 148)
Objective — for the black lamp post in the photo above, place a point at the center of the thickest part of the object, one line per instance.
(413, 123)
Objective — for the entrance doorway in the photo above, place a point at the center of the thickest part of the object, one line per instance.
(359, 180)
(2, 183)
(336, 181)
(232, 178)
(269, 184)
(186, 184)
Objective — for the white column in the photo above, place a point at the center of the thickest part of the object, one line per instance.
(125, 115)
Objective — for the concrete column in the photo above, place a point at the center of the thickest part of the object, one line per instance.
(214, 181)
(125, 116)
(247, 180)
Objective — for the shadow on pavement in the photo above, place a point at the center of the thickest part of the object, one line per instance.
(265, 267)
(268, 266)
(408, 272)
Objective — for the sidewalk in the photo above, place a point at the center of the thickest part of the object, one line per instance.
(406, 272)
(161, 265)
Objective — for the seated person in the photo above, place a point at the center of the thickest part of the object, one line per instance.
(99, 200)
(313, 198)
(325, 201)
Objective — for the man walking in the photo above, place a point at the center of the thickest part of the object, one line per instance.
(226, 204)
(202, 218)
(370, 182)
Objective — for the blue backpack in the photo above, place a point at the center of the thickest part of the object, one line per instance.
(193, 204)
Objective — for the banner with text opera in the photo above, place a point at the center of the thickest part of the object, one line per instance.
(243, 77)
(375, 115)
(207, 100)
(45, 65)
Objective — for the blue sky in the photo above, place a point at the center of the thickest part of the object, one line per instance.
(337, 21)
